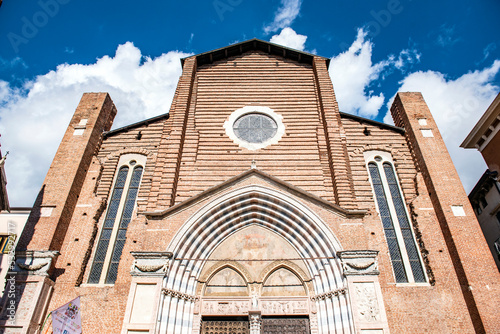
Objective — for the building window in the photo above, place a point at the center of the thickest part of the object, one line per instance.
(403, 251)
(119, 213)
(254, 127)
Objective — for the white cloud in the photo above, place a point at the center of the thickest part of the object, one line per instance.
(34, 118)
(489, 48)
(289, 38)
(12, 63)
(353, 72)
(445, 36)
(405, 57)
(456, 105)
(285, 15)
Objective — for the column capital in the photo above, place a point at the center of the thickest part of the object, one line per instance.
(255, 318)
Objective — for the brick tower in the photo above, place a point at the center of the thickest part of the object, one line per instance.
(54, 208)
(474, 267)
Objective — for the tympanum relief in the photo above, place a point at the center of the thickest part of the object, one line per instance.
(254, 269)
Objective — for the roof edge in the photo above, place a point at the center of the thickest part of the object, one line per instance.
(253, 42)
(474, 135)
(134, 125)
(372, 122)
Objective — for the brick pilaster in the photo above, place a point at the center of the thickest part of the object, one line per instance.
(335, 137)
(165, 178)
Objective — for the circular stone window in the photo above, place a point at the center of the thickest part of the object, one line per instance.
(254, 127)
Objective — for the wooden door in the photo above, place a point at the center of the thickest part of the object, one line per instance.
(285, 326)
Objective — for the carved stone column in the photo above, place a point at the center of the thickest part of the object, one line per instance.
(255, 319)
(361, 270)
(27, 291)
(148, 271)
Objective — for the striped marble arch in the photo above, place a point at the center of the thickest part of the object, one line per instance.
(275, 211)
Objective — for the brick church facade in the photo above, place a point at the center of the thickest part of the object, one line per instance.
(255, 206)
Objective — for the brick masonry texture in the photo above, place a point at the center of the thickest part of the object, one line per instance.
(490, 154)
(320, 153)
(262, 80)
(473, 265)
(65, 178)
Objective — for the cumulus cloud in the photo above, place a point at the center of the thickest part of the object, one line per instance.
(289, 38)
(353, 72)
(284, 16)
(456, 105)
(34, 117)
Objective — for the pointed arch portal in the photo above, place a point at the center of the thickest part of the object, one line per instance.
(326, 305)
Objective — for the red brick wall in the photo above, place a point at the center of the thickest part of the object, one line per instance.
(469, 252)
(491, 153)
(408, 307)
(255, 78)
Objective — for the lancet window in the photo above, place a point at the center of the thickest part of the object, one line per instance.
(118, 216)
(405, 256)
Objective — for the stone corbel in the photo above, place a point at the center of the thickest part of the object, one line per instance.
(34, 262)
(150, 263)
(359, 262)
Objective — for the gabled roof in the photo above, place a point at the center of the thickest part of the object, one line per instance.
(267, 177)
(254, 44)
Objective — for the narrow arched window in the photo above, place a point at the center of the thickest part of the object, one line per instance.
(119, 213)
(404, 224)
(122, 228)
(405, 257)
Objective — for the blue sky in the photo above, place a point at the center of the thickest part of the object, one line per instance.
(51, 51)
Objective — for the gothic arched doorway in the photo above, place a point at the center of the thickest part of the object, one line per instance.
(260, 255)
